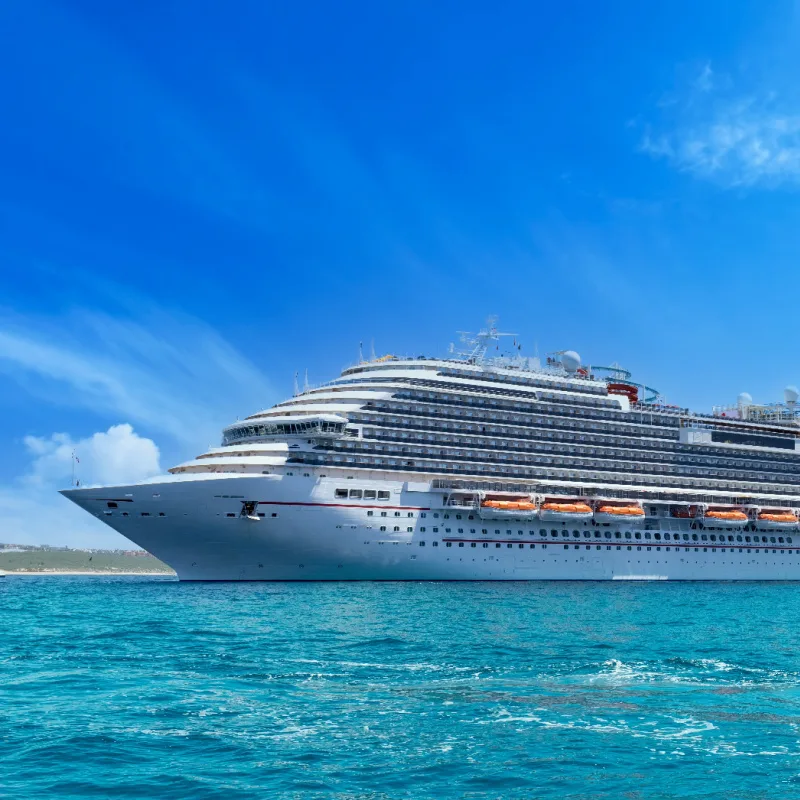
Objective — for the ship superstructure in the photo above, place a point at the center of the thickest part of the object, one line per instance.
(479, 468)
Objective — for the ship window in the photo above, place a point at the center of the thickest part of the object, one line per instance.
(409, 530)
(397, 513)
(436, 530)
(435, 544)
(112, 505)
(497, 544)
(772, 539)
(448, 544)
(383, 527)
(383, 513)
(145, 513)
(369, 513)
(356, 493)
(369, 494)
(423, 514)
(341, 493)
(383, 495)
(422, 530)
(421, 544)
(125, 514)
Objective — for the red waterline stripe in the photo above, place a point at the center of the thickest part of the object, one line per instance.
(341, 505)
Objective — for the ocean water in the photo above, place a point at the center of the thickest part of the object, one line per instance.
(146, 687)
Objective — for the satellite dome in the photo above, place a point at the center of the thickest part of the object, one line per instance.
(745, 399)
(570, 360)
(790, 394)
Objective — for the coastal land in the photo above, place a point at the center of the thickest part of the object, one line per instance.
(18, 559)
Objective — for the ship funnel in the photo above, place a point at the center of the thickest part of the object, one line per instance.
(790, 395)
(744, 400)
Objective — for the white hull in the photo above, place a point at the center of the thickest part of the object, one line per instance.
(308, 534)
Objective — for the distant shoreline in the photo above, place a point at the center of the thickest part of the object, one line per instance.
(101, 573)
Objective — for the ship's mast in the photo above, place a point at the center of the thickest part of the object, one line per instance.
(476, 345)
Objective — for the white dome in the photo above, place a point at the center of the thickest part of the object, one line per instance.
(745, 399)
(570, 360)
(790, 394)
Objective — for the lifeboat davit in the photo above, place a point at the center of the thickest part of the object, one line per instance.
(725, 518)
(778, 519)
(507, 509)
(629, 514)
(564, 511)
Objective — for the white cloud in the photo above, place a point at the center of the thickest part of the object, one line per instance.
(118, 455)
(735, 140)
(32, 511)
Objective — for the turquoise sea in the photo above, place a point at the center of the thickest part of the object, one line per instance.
(145, 687)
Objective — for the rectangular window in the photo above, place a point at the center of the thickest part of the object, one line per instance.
(355, 493)
(340, 493)
(369, 494)
(383, 495)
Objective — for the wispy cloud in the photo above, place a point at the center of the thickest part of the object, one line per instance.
(169, 372)
(734, 139)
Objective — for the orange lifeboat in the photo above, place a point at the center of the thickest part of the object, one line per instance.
(725, 518)
(502, 509)
(608, 513)
(780, 518)
(564, 510)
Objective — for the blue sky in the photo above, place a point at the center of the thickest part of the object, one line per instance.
(195, 203)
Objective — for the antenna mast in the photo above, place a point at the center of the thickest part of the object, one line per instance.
(476, 345)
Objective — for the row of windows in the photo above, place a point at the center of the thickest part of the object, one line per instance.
(581, 448)
(361, 494)
(571, 434)
(532, 546)
(302, 428)
(637, 482)
(520, 464)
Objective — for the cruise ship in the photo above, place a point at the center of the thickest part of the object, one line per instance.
(484, 465)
